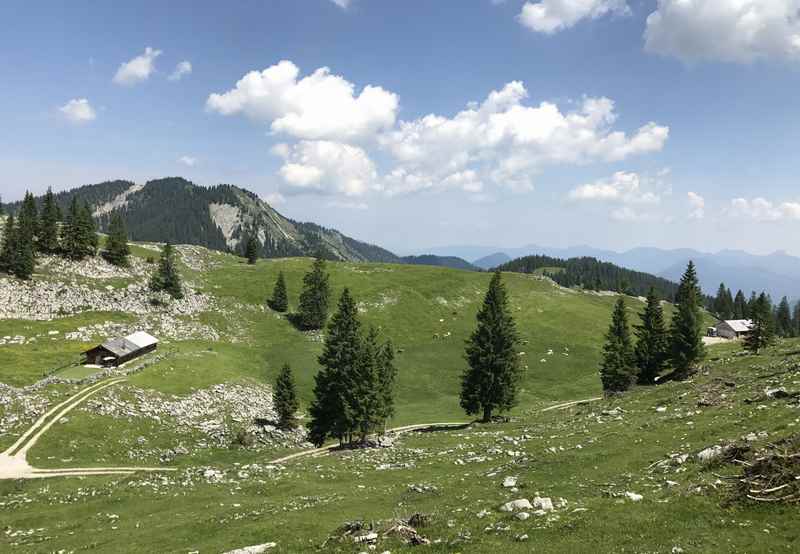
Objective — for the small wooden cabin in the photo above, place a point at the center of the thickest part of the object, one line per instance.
(734, 328)
(116, 352)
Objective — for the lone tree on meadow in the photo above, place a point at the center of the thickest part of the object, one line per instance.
(251, 250)
(166, 278)
(762, 330)
(286, 399)
(354, 388)
(117, 249)
(280, 299)
(686, 343)
(330, 412)
(652, 346)
(490, 382)
(618, 366)
(313, 308)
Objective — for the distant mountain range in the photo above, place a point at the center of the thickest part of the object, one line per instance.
(452, 262)
(777, 273)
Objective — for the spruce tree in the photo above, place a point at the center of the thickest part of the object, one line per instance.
(796, 320)
(762, 332)
(740, 306)
(28, 220)
(363, 394)
(686, 344)
(618, 365)
(166, 278)
(723, 303)
(24, 258)
(313, 307)
(652, 347)
(48, 224)
(88, 231)
(117, 249)
(280, 300)
(330, 411)
(490, 382)
(783, 319)
(8, 250)
(251, 250)
(286, 399)
(70, 240)
(387, 375)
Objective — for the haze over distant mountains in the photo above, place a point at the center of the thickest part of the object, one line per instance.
(777, 273)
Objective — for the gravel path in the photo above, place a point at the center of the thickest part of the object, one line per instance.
(14, 463)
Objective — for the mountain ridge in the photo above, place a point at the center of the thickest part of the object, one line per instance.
(221, 217)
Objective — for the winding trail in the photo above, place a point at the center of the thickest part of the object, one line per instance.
(14, 463)
(418, 427)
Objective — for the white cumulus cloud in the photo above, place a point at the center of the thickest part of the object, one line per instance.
(78, 110)
(188, 161)
(182, 69)
(320, 106)
(550, 16)
(761, 209)
(623, 187)
(697, 205)
(344, 4)
(138, 69)
(327, 167)
(738, 31)
(506, 142)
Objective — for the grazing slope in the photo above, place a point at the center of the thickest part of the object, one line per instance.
(221, 217)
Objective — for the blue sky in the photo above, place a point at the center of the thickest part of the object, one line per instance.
(612, 123)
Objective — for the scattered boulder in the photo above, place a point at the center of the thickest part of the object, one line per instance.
(633, 497)
(517, 505)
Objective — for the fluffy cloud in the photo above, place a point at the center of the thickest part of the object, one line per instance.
(621, 187)
(78, 110)
(275, 199)
(760, 209)
(138, 69)
(182, 69)
(188, 161)
(320, 106)
(697, 205)
(725, 30)
(326, 167)
(344, 4)
(505, 142)
(550, 16)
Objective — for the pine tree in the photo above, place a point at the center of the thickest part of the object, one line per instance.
(279, 301)
(652, 347)
(24, 259)
(28, 220)
(796, 320)
(251, 250)
(8, 251)
(762, 331)
(88, 231)
(363, 394)
(686, 344)
(387, 375)
(739, 306)
(313, 308)
(48, 224)
(166, 278)
(783, 319)
(286, 399)
(117, 249)
(751, 304)
(330, 411)
(720, 305)
(618, 366)
(70, 241)
(491, 380)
